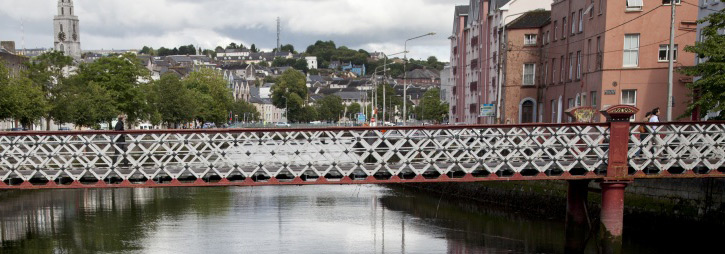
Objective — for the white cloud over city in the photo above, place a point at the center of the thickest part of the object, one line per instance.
(374, 25)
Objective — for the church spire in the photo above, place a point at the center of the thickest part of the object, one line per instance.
(67, 33)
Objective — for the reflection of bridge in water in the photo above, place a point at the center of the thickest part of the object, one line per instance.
(614, 153)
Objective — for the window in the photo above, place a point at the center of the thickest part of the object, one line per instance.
(578, 65)
(578, 101)
(631, 50)
(593, 95)
(589, 53)
(553, 111)
(474, 86)
(541, 112)
(599, 56)
(629, 97)
(665, 51)
(529, 39)
(581, 20)
(563, 28)
(667, 2)
(529, 70)
(548, 39)
(600, 6)
(584, 99)
(546, 72)
(634, 5)
(561, 76)
(473, 108)
(573, 23)
(556, 28)
(591, 12)
(570, 103)
(553, 70)
(571, 66)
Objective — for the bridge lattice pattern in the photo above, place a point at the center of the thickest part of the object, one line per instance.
(351, 155)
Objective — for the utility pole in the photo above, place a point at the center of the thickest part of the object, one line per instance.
(671, 56)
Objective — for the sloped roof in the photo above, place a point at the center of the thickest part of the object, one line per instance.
(532, 19)
(500, 3)
(423, 74)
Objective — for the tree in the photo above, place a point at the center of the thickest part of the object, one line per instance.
(172, 101)
(21, 99)
(46, 71)
(254, 49)
(709, 90)
(353, 110)
(330, 108)
(85, 104)
(146, 51)
(290, 92)
(219, 49)
(245, 111)
(121, 77)
(391, 99)
(213, 97)
(431, 108)
(301, 64)
(209, 52)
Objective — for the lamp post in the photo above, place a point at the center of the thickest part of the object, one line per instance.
(405, 77)
(385, 76)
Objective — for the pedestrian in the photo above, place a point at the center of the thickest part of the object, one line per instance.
(643, 133)
(120, 141)
(655, 118)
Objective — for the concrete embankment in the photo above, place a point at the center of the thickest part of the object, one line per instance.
(699, 200)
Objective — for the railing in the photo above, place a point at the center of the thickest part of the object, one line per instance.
(349, 155)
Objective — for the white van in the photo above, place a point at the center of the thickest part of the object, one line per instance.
(145, 126)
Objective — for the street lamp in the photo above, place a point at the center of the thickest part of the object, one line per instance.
(405, 77)
(385, 77)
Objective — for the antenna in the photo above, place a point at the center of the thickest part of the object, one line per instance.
(279, 30)
(22, 30)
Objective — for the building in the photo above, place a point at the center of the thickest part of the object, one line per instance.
(459, 65)
(520, 89)
(311, 62)
(707, 7)
(422, 76)
(267, 111)
(599, 53)
(447, 87)
(500, 14)
(14, 62)
(67, 32)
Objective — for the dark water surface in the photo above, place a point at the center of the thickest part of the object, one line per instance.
(285, 219)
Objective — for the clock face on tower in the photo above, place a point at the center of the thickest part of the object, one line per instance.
(75, 37)
(61, 36)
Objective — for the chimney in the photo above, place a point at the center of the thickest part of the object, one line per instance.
(9, 46)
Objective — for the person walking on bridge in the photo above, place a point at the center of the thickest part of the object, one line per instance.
(120, 141)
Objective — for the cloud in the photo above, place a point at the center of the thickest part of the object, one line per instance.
(373, 25)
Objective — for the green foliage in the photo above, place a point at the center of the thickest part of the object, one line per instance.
(22, 100)
(209, 52)
(84, 104)
(290, 91)
(242, 109)
(147, 51)
(254, 49)
(182, 50)
(353, 110)
(119, 76)
(172, 103)
(709, 90)
(431, 108)
(211, 95)
(391, 99)
(235, 46)
(330, 108)
(263, 64)
(286, 48)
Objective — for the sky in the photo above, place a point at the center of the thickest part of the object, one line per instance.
(373, 25)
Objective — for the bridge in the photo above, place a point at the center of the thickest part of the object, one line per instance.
(614, 153)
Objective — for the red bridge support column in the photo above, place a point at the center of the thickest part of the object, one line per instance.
(612, 214)
(577, 224)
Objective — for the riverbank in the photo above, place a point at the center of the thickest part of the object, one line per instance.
(646, 200)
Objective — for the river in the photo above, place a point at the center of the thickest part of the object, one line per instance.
(276, 219)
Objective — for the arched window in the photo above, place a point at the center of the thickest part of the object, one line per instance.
(62, 48)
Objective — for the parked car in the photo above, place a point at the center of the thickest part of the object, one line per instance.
(64, 129)
(282, 124)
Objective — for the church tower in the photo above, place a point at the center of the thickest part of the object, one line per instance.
(67, 36)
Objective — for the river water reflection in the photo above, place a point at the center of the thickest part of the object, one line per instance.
(285, 219)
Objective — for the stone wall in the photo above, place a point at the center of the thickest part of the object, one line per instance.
(681, 199)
